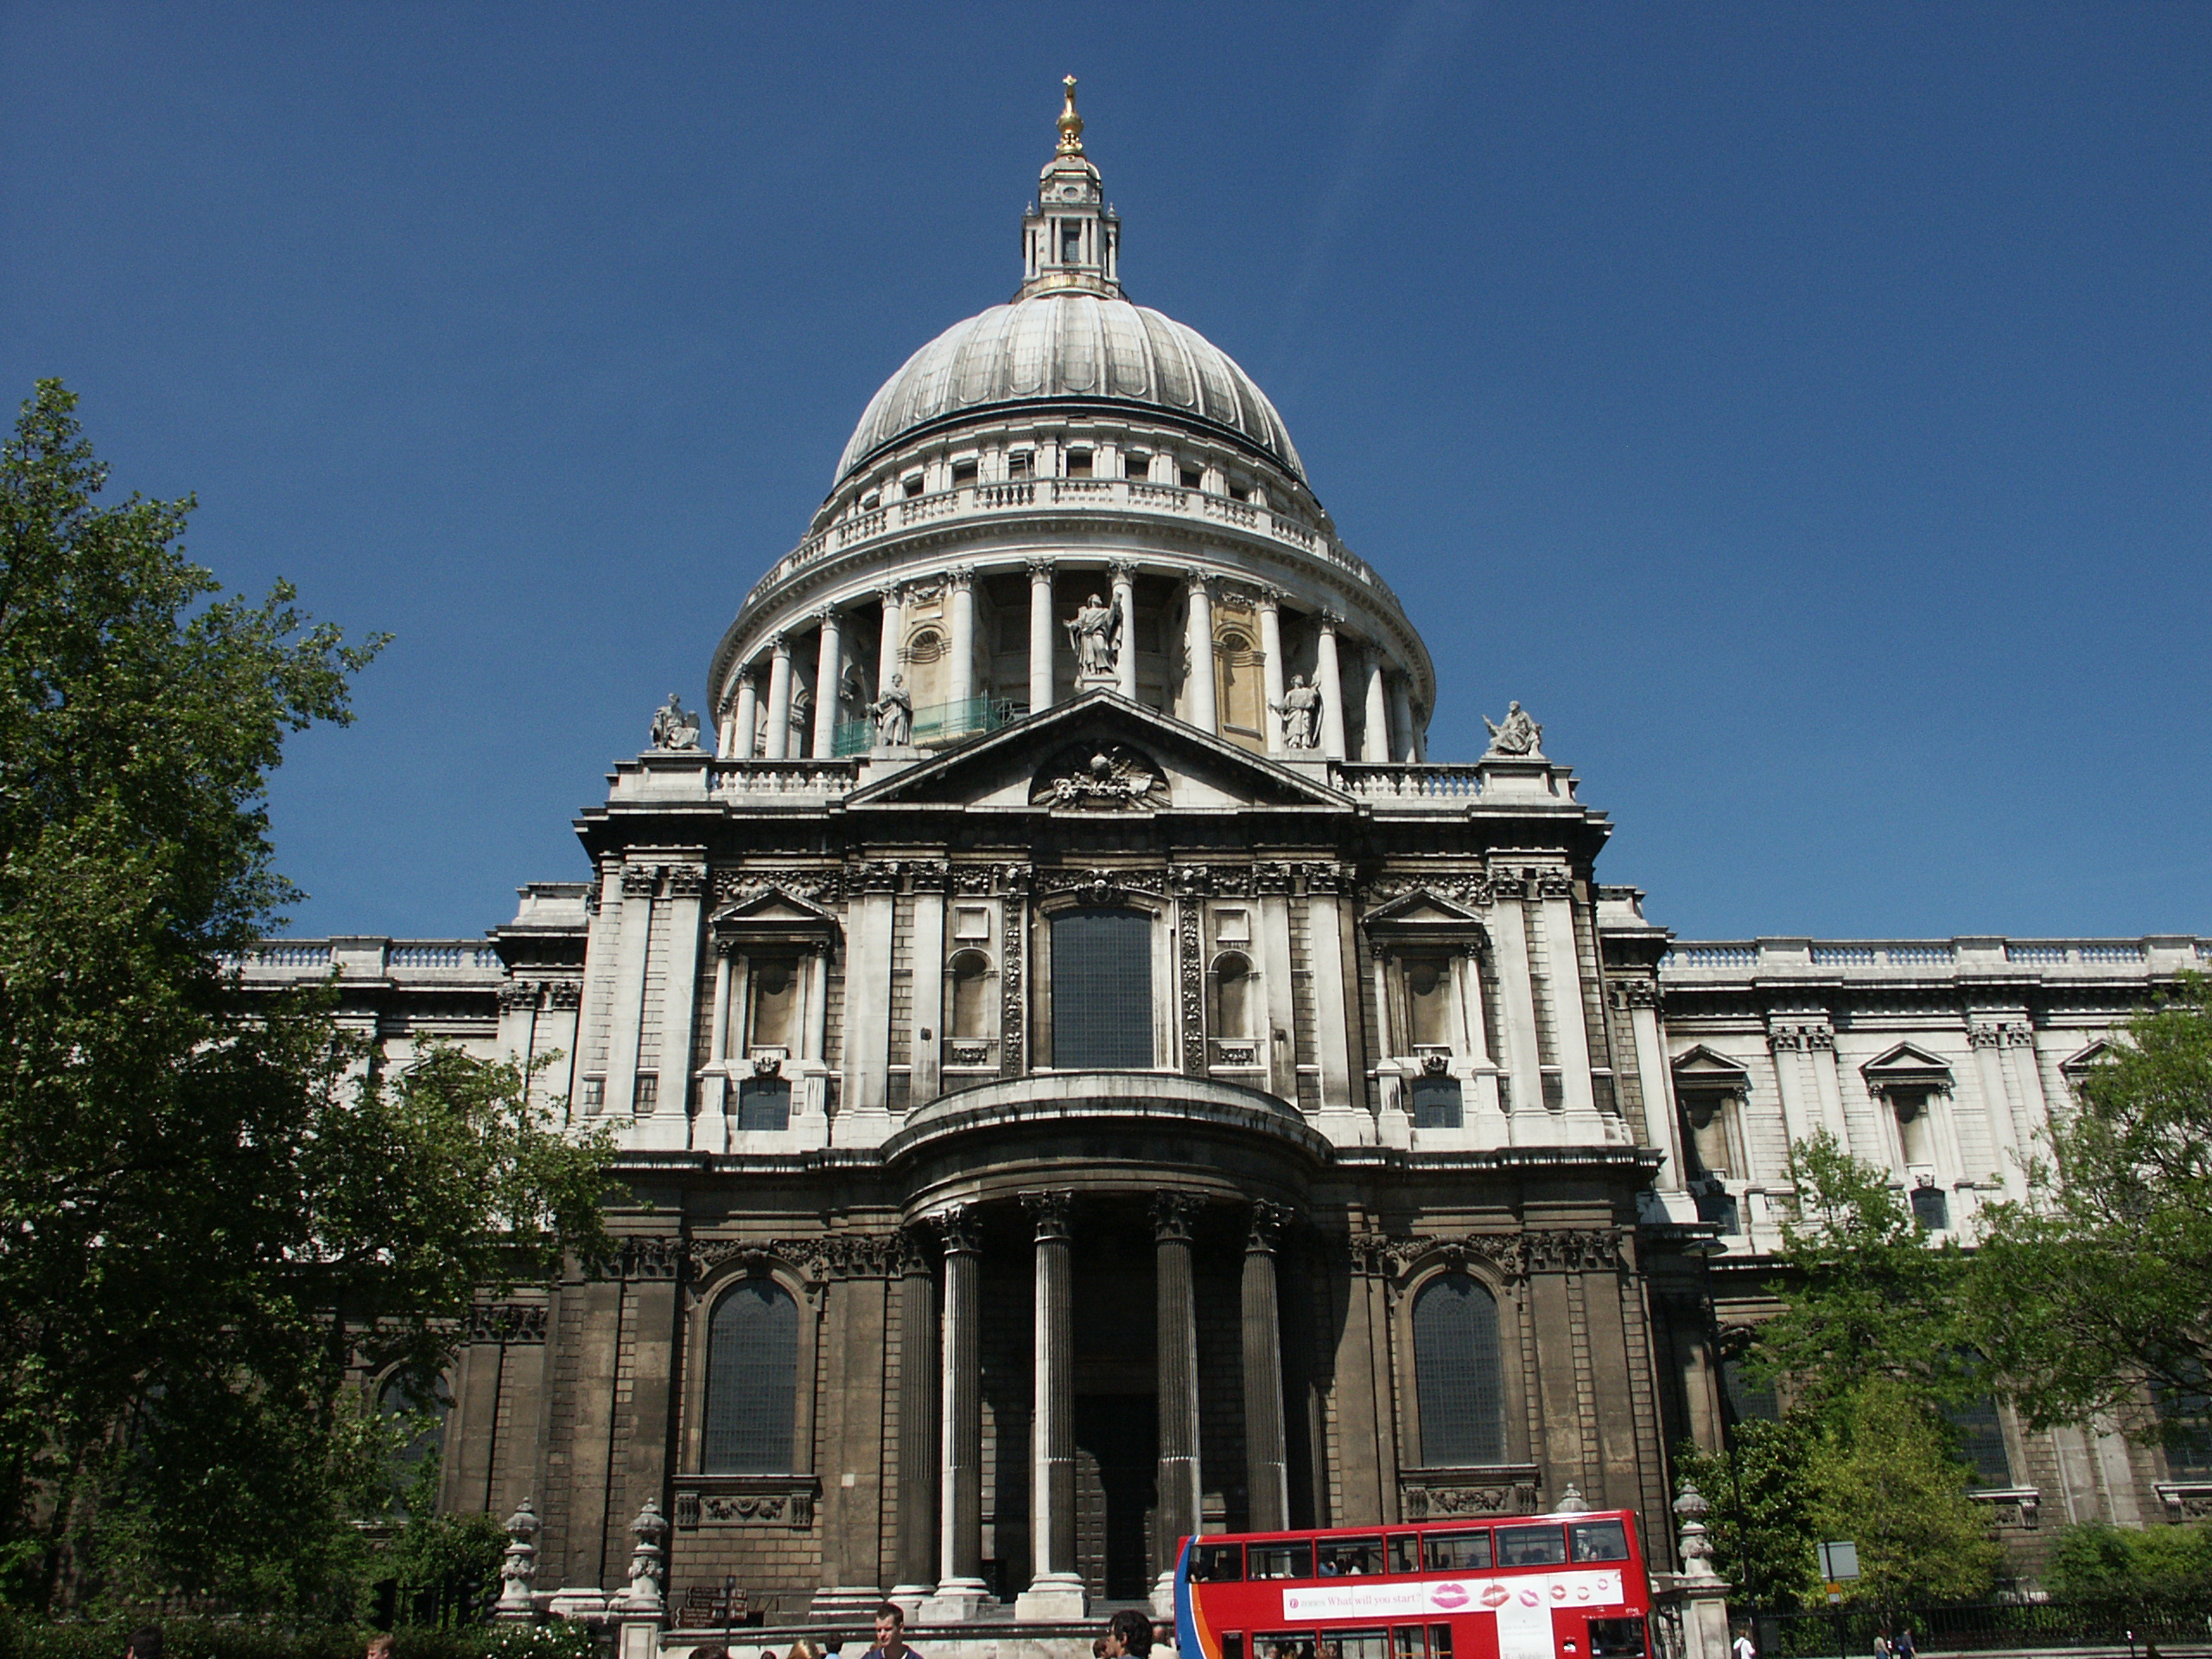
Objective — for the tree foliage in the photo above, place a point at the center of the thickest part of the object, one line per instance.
(2093, 1561)
(214, 1211)
(1761, 1516)
(2094, 1291)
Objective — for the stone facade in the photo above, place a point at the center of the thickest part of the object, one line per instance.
(1084, 1076)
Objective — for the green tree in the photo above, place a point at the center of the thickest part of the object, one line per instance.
(1761, 1509)
(1865, 1295)
(1883, 1474)
(213, 1213)
(2093, 1294)
(2093, 1561)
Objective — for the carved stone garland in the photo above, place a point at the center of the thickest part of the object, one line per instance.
(1013, 928)
(1192, 956)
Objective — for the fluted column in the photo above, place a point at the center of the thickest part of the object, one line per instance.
(1374, 743)
(919, 1382)
(1125, 600)
(1326, 669)
(960, 1511)
(890, 637)
(828, 670)
(1055, 1587)
(960, 680)
(748, 715)
(778, 745)
(1405, 746)
(1201, 640)
(1271, 666)
(1174, 1217)
(1041, 630)
(1266, 1466)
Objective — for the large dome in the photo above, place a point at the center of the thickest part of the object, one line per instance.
(1077, 348)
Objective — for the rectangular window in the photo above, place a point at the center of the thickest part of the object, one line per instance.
(1616, 1638)
(1406, 1643)
(1457, 1552)
(648, 1091)
(1981, 1442)
(910, 486)
(764, 1103)
(1071, 241)
(1279, 1561)
(1439, 1642)
(595, 1093)
(1598, 1541)
(1078, 463)
(1354, 1558)
(1748, 1402)
(1135, 467)
(1405, 1554)
(1018, 464)
(964, 472)
(1217, 1563)
(1284, 1644)
(1930, 1208)
(1436, 1104)
(1102, 990)
(1359, 1644)
(1531, 1547)
(1232, 1645)
(1193, 477)
(1240, 492)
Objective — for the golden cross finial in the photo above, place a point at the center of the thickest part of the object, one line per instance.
(1071, 123)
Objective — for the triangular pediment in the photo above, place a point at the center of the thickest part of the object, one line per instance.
(1705, 1065)
(2090, 1058)
(771, 908)
(1905, 1058)
(1099, 754)
(1423, 911)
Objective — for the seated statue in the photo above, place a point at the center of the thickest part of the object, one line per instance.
(674, 728)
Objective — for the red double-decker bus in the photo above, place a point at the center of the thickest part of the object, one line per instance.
(1546, 1587)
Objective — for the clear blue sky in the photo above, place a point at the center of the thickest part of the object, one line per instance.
(1802, 408)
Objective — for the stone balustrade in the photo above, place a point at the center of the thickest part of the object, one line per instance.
(1712, 961)
(429, 961)
(1406, 781)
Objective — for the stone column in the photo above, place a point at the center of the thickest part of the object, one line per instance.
(1332, 689)
(1405, 748)
(670, 1128)
(1042, 624)
(713, 1136)
(960, 679)
(625, 1027)
(1055, 1587)
(1271, 666)
(829, 668)
(1125, 600)
(1173, 1215)
(1986, 1036)
(892, 636)
(1266, 1469)
(748, 715)
(1375, 741)
(1199, 638)
(960, 1589)
(918, 1430)
(778, 745)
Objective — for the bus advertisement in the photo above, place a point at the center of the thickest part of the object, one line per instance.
(1560, 1586)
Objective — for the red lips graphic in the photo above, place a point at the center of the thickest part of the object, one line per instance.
(1497, 1596)
(1449, 1595)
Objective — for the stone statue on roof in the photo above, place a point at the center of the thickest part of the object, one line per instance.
(1516, 735)
(674, 728)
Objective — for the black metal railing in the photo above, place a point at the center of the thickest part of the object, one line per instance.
(1989, 1627)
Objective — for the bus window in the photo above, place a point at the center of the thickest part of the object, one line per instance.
(1352, 1558)
(1598, 1541)
(1458, 1552)
(1406, 1643)
(1439, 1642)
(1288, 1644)
(1616, 1638)
(1280, 1561)
(1531, 1547)
(1356, 1645)
(1217, 1563)
(1405, 1555)
(1232, 1645)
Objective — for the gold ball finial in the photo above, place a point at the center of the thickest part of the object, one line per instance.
(1071, 123)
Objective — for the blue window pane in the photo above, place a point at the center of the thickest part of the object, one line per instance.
(1459, 1380)
(1981, 1442)
(764, 1103)
(1436, 1103)
(1930, 1208)
(1102, 990)
(751, 1381)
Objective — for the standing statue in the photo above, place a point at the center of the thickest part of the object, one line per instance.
(893, 714)
(801, 721)
(1095, 634)
(1301, 710)
(1517, 733)
(673, 728)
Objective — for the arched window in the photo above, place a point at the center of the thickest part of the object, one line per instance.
(1461, 1391)
(1102, 990)
(751, 1381)
(968, 1016)
(1232, 996)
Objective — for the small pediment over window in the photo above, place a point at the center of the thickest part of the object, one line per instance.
(1424, 915)
(1709, 1070)
(2080, 1066)
(769, 914)
(1905, 1067)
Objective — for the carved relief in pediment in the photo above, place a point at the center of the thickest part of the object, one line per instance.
(1110, 776)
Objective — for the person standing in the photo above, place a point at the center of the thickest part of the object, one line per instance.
(1128, 1634)
(891, 1634)
(1742, 1646)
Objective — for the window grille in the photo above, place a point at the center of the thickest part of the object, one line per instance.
(751, 1381)
(1436, 1103)
(1981, 1442)
(1458, 1378)
(1930, 1208)
(764, 1103)
(1102, 990)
